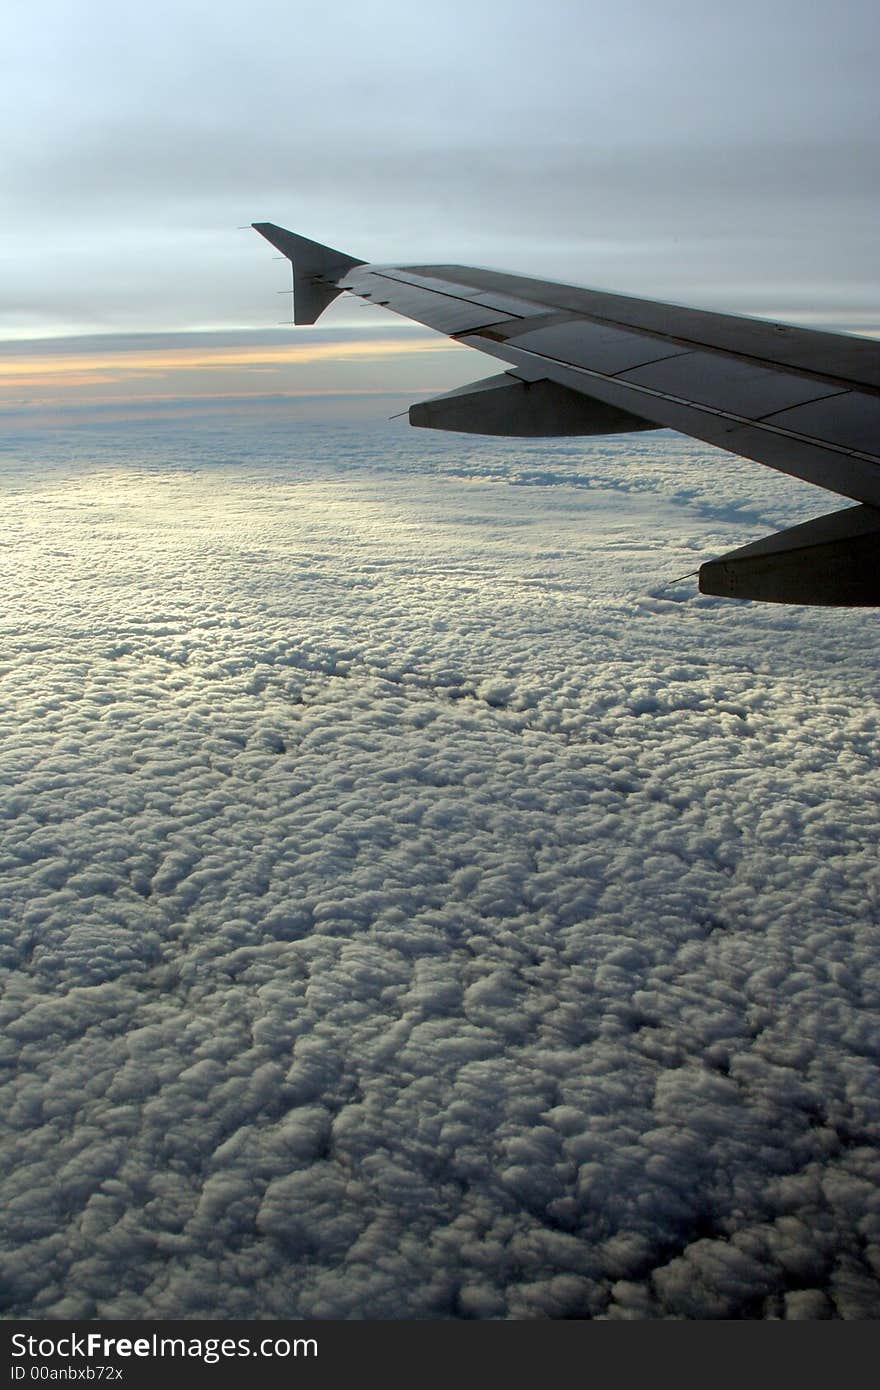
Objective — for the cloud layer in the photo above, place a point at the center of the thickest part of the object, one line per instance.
(416, 906)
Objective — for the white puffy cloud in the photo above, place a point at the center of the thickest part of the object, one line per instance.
(418, 907)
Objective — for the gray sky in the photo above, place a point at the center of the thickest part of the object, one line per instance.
(682, 150)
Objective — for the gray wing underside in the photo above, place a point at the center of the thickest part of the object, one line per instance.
(585, 361)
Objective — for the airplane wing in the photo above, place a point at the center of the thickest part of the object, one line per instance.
(587, 362)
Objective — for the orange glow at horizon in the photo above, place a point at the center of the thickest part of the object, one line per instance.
(87, 368)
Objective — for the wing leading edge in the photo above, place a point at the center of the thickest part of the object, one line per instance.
(581, 361)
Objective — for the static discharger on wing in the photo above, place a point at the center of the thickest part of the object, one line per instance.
(587, 362)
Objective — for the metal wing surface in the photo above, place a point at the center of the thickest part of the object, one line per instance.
(586, 361)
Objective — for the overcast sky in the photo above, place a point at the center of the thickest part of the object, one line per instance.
(707, 153)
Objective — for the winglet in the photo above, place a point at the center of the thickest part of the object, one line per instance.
(316, 269)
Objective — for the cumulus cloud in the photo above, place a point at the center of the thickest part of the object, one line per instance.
(418, 906)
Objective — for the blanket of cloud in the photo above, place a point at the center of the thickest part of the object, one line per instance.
(416, 906)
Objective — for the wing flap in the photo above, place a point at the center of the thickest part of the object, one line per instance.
(738, 388)
(595, 345)
(851, 419)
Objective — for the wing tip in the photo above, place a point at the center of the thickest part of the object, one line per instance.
(317, 269)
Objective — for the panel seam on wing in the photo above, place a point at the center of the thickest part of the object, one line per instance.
(759, 423)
